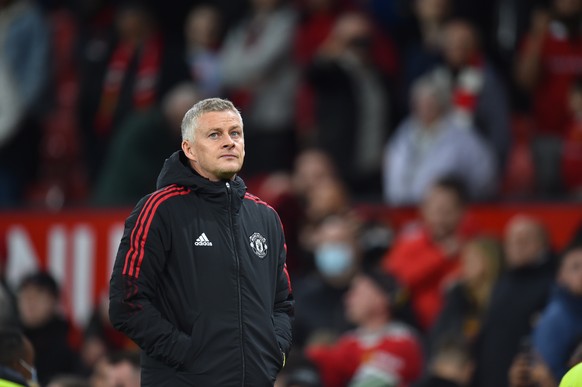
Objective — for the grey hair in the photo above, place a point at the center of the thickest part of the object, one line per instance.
(438, 84)
(190, 120)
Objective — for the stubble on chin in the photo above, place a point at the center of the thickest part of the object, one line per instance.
(228, 173)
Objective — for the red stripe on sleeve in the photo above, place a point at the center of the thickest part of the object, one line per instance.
(139, 224)
(288, 278)
(147, 228)
(258, 200)
(138, 227)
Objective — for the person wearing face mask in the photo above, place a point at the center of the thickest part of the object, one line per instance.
(16, 360)
(320, 315)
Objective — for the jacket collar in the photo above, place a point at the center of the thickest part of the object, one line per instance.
(177, 170)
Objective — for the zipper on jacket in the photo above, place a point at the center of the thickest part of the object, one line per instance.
(237, 260)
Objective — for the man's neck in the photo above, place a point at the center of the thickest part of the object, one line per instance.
(375, 323)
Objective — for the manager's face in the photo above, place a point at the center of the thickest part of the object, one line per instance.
(217, 150)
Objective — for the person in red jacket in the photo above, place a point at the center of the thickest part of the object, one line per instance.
(549, 61)
(380, 351)
(425, 259)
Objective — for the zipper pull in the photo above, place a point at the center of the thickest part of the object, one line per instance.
(227, 186)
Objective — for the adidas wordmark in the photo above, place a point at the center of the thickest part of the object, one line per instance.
(202, 241)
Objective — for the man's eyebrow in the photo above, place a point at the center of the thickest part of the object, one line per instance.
(221, 129)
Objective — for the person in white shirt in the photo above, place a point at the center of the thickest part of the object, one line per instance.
(430, 144)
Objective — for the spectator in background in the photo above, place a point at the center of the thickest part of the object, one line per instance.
(311, 167)
(329, 197)
(24, 77)
(321, 314)
(317, 18)
(468, 299)
(16, 359)
(260, 77)
(571, 167)
(43, 324)
(125, 369)
(431, 144)
(316, 21)
(140, 145)
(141, 68)
(560, 325)
(319, 191)
(452, 364)
(550, 61)
(426, 258)
(303, 198)
(292, 194)
(100, 375)
(548, 64)
(117, 369)
(203, 32)
(352, 103)
(100, 338)
(381, 350)
(422, 44)
(479, 98)
(519, 295)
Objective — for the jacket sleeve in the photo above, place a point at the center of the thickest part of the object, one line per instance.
(134, 284)
(284, 308)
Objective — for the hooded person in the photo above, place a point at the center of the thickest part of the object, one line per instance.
(200, 281)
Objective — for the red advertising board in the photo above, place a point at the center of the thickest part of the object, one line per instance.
(79, 246)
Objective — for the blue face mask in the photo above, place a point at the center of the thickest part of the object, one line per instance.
(334, 259)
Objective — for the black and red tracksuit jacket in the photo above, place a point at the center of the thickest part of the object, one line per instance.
(200, 283)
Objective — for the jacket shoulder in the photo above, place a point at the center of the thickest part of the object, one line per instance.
(151, 202)
(257, 201)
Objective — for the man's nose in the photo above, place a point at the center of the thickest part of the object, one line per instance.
(228, 142)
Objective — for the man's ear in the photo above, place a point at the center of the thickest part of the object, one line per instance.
(188, 150)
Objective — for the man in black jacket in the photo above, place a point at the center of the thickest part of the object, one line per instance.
(200, 281)
(517, 299)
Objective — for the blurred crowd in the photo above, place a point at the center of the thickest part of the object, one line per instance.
(439, 302)
(433, 104)
(397, 93)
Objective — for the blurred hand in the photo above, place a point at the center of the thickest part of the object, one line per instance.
(542, 375)
(530, 370)
(520, 374)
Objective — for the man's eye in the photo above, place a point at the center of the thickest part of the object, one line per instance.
(235, 134)
(213, 135)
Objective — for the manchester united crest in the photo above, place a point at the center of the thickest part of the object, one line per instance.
(259, 244)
